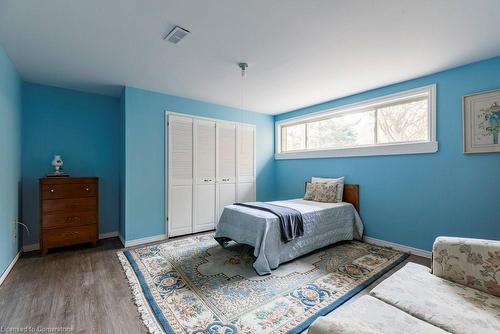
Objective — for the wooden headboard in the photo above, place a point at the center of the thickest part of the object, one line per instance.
(351, 194)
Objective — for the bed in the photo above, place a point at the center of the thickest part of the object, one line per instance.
(324, 224)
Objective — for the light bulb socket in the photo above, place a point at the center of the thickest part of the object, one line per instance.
(243, 67)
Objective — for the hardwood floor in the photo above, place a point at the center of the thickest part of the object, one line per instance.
(81, 288)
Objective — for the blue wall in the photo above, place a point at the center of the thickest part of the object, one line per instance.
(408, 199)
(145, 154)
(10, 148)
(411, 199)
(84, 129)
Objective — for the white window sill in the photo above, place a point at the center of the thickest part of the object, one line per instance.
(362, 151)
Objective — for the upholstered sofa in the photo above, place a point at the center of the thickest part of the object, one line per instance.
(460, 294)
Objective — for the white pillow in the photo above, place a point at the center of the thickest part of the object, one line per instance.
(339, 181)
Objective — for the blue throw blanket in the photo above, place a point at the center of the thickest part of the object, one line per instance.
(291, 222)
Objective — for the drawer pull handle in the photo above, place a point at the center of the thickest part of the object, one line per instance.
(51, 190)
(87, 189)
(69, 219)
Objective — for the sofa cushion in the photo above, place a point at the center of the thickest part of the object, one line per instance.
(450, 306)
(368, 315)
(471, 262)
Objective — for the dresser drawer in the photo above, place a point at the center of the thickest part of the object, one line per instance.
(68, 211)
(69, 205)
(69, 219)
(58, 237)
(68, 190)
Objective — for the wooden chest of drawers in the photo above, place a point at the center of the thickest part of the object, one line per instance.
(68, 211)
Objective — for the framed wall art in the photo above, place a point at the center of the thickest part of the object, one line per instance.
(481, 122)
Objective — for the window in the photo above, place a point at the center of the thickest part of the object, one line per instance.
(401, 123)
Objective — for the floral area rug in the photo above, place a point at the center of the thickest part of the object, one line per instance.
(193, 285)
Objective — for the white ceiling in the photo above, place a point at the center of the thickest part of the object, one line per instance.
(300, 52)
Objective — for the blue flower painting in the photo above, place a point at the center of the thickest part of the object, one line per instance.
(482, 122)
(491, 121)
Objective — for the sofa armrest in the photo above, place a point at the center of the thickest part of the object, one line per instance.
(471, 262)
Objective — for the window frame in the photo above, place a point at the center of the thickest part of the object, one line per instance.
(415, 147)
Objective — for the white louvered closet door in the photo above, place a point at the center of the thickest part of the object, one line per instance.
(226, 166)
(246, 163)
(204, 191)
(180, 141)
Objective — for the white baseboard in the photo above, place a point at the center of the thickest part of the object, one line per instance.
(9, 268)
(108, 235)
(136, 242)
(34, 247)
(122, 239)
(408, 249)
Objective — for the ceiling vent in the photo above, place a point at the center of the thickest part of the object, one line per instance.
(176, 34)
